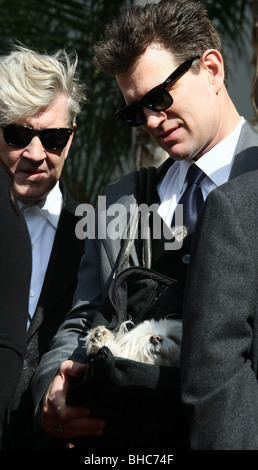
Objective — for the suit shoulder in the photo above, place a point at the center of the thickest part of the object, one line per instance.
(238, 198)
(245, 185)
(251, 133)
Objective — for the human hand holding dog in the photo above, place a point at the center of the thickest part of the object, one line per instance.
(59, 419)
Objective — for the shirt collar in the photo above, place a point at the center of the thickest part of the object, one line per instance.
(52, 205)
(217, 162)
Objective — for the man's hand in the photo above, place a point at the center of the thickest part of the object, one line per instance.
(61, 420)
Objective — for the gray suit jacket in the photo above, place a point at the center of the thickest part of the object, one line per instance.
(97, 267)
(220, 339)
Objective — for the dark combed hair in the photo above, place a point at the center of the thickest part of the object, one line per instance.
(181, 26)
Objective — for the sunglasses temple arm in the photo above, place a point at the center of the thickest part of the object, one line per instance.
(180, 70)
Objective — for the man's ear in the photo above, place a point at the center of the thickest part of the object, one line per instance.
(213, 63)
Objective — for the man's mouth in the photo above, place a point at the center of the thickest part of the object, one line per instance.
(31, 170)
(169, 134)
(31, 173)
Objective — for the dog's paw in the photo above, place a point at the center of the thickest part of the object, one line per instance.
(96, 338)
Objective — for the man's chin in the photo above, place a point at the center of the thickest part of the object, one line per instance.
(30, 197)
(31, 193)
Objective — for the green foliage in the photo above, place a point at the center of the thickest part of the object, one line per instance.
(101, 149)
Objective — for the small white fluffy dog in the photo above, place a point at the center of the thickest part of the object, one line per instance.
(152, 342)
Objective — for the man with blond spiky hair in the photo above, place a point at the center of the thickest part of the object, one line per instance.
(40, 97)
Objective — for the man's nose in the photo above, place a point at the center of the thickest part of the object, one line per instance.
(35, 150)
(154, 118)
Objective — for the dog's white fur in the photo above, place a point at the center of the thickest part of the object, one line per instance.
(152, 342)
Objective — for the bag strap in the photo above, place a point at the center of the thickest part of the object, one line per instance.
(145, 184)
(147, 179)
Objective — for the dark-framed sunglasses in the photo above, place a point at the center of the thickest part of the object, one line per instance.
(51, 139)
(157, 99)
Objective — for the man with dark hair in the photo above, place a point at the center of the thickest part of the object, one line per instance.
(168, 63)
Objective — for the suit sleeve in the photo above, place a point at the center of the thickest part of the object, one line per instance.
(68, 343)
(15, 255)
(219, 385)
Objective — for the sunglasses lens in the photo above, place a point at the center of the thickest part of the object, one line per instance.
(132, 115)
(17, 136)
(157, 99)
(20, 136)
(55, 139)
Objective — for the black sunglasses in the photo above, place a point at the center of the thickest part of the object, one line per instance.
(20, 136)
(157, 99)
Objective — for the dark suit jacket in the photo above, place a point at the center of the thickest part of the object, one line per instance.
(220, 338)
(54, 303)
(15, 272)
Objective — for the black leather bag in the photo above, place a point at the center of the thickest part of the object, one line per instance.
(131, 396)
(140, 402)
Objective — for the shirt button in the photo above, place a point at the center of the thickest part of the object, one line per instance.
(186, 259)
(31, 293)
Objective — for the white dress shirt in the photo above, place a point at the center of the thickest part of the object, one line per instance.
(216, 164)
(42, 221)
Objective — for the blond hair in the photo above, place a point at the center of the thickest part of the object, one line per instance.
(30, 81)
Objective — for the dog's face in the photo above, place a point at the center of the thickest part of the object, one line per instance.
(153, 342)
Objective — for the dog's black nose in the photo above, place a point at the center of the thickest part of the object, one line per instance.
(155, 339)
